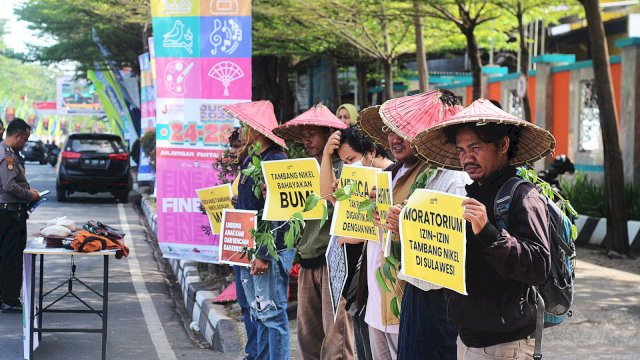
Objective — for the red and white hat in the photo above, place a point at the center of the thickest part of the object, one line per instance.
(259, 115)
(318, 115)
(408, 115)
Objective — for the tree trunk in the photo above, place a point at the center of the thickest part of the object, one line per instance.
(387, 65)
(335, 86)
(617, 236)
(476, 63)
(286, 110)
(363, 90)
(524, 62)
(421, 56)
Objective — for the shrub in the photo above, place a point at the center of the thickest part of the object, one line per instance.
(148, 143)
(588, 197)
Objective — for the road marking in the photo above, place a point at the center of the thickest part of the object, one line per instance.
(154, 325)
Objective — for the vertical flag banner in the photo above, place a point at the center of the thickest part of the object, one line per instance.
(433, 238)
(347, 220)
(147, 112)
(202, 58)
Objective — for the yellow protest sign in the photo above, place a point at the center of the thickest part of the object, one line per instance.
(235, 185)
(384, 200)
(432, 232)
(347, 220)
(289, 183)
(215, 199)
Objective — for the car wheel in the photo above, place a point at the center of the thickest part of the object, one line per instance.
(61, 194)
(43, 162)
(122, 196)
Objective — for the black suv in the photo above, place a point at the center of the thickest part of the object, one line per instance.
(34, 150)
(93, 163)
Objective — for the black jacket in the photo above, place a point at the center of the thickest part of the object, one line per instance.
(501, 266)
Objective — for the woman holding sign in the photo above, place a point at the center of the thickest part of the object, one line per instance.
(266, 281)
(355, 149)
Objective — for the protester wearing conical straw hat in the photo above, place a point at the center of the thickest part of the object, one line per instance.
(503, 259)
(533, 142)
(258, 115)
(320, 335)
(263, 284)
(393, 125)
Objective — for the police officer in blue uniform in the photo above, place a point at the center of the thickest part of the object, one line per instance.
(15, 195)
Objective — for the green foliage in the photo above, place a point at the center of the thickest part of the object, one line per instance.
(586, 195)
(369, 207)
(296, 151)
(148, 144)
(122, 25)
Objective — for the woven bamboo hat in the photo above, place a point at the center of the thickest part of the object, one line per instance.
(259, 115)
(534, 142)
(408, 115)
(318, 115)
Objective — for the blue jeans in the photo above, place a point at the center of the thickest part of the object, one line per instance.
(425, 332)
(251, 349)
(268, 296)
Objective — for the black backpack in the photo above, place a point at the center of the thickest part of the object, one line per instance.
(555, 296)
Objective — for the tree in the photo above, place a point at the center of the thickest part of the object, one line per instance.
(421, 55)
(123, 26)
(617, 236)
(467, 15)
(378, 29)
(525, 11)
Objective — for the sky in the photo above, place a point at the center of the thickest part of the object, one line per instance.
(18, 35)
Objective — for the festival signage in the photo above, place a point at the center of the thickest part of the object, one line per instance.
(384, 201)
(147, 110)
(432, 233)
(236, 235)
(336, 256)
(347, 220)
(289, 183)
(76, 97)
(202, 62)
(215, 200)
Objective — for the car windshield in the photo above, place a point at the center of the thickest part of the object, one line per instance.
(100, 146)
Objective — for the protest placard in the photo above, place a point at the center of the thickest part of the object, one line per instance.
(215, 199)
(347, 220)
(236, 235)
(432, 233)
(289, 183)
(384, 200)
(336, 256)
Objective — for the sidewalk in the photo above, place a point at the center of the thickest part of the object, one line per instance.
(606, 318)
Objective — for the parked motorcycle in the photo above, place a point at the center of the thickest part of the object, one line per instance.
(52, 158)
(560, 166)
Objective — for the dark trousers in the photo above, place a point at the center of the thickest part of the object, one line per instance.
(251, 349)
(361, 331)
(425, 332)
(13, 239)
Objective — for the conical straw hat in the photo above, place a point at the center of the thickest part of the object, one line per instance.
(408, 115)
(534, 142)
(318, 115)
(259, 115)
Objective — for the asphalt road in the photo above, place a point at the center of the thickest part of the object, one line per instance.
(143, 322)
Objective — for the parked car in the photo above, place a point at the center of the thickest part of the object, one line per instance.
(34, 150)
(93, 163)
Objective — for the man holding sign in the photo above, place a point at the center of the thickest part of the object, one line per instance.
(319, 336)
(424, 331)
(498, 316)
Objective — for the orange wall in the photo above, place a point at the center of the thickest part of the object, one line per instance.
(494, 91)
(531, 91)
(469, 95)
(616, 79)
(560, 122)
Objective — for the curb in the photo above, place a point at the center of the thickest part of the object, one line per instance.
(220, 331)
(592, 231)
